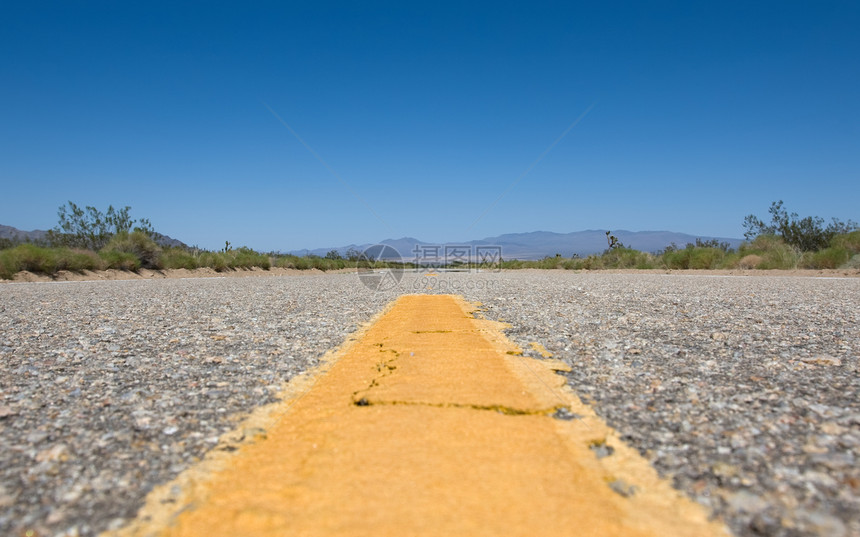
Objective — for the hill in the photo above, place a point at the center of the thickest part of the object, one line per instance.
(539, 244)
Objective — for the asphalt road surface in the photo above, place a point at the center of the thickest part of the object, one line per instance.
(743, 391)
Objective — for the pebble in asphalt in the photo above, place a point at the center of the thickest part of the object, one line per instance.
(741, 390)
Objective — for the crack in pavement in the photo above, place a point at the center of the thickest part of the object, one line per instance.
(501, 409)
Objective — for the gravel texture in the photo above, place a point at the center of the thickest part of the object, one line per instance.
(742, 390)
(109, 388)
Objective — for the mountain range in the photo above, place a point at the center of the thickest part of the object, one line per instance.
(532, 245)
(11, 233)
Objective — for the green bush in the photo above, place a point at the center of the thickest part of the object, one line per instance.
(77, 260)
(120, 260)
(34, 259)
(556, 262)
(513, 264)
(807, 234)
(138, 243)
(592, 262)
(785, 258)
(213, 260)
(286, 261)
(247, 258)
(49, 261)
(8, 264)
(706, 258)
(829, 258)
(303, 263)
(26, 257)
(176, 258)
(571, 264)
(325, 264)
(694, 257)
(677, 259)
(847, 241)
(733, 260)
(773, 251)
(620, 258)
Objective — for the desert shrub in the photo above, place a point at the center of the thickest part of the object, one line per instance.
(570, 264)
(762, 243)
(90, 228)
(848, 241)
(213, 260)
(77, 260)
(853, 263)
(676, 259)
(175, 258)
(807, 234)
(8, 265)
(138, 243)
(316, 262)
(512, 264)
(694, 257)
(303, 263)
(784, 257)
(554, 262)
(114, 259)
(43, 260)
(324, 263)
(300, 263)
(706, 258)
(623, 257)
(246, 258)
(749, 261)
(775, 253)
(592, 262)
(33, 258)
(828, 258)
(26, 257)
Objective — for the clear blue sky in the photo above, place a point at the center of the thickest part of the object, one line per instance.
(696, 116)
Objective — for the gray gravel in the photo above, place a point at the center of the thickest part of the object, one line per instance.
(109, 388)
(742, 390)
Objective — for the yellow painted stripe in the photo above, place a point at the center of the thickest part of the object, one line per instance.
(430, 423)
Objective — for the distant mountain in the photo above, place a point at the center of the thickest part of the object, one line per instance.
(11, 233)
(538, 244)
(166, 241)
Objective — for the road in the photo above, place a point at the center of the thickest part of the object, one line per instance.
(740, 390)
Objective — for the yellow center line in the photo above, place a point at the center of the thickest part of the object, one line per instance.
(430, 423)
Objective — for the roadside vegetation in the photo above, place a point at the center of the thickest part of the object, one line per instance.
(87, 239)
(788, 242)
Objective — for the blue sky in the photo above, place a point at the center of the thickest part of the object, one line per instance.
(422, 114)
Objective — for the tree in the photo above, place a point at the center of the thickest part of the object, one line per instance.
(613, 241)
(333, 254)
(90, 228)
(807, 234)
